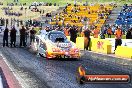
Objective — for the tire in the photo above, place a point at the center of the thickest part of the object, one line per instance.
(82, 80)
(44, 55)
(40, 55)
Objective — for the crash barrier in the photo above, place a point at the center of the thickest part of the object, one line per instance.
(79, 42)
(100, 45)
(96, 45)
(124, 51)
(125, 42)
(105, 46)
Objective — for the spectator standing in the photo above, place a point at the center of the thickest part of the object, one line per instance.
(129, 34)
(66, 31)
(118, 37)
(95, 32)
(109, 32)
(73, 34)
(13, 36)
(22, 36)
(32, 35)
(27, 34)
(5, 37)
(87, 39)
(102, 33)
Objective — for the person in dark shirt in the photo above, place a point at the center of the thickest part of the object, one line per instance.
(129, 34)
(27, 34)
(5, 37)
(13, 36)
(22, 36)
(32, 35)
(87, 39)
(73, 34)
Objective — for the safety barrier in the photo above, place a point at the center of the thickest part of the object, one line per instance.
(124, 51)
(80, 42)
(105, 46)
(96, 45)
(101, 45)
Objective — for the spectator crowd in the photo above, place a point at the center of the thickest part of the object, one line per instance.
(25, 32)
(69, 29)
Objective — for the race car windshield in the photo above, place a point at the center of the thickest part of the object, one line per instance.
(57, 37)
(59, 40)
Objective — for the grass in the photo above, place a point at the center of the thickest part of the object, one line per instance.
(29, 14)
(63, 2)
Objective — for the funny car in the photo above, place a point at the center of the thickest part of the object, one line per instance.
(55, 44)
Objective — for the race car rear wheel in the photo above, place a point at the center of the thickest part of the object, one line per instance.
(42, 55)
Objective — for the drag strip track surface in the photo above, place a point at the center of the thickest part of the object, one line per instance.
(37, 72)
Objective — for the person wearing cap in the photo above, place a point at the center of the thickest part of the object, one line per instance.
(118, 37)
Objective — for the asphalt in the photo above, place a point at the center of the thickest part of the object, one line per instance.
(7, 77)
(37, 72)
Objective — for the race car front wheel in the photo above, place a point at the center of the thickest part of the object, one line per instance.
(43, 55)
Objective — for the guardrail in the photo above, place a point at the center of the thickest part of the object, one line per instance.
(124, 51)
(96, 44)
(107, 46)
